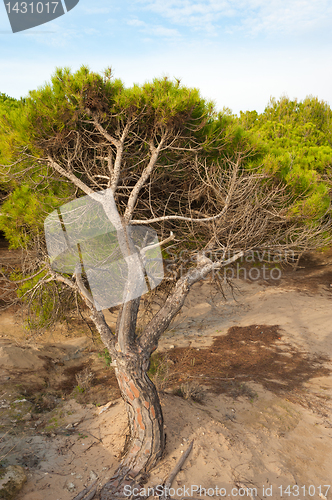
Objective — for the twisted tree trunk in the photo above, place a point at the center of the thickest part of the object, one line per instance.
(145, 416)
(147, 438)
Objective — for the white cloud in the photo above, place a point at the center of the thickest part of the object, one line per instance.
(59, 37)
(195, 14)
(156, 30)
(240, 79)
(284, 17)
(136, 22)
(251, 16)
(163, 32)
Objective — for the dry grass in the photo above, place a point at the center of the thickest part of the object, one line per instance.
(159, 372)
(191, 390)
(84, 379)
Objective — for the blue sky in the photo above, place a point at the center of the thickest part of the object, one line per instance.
(238, 53)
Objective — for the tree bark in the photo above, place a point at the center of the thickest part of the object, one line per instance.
(147, 438)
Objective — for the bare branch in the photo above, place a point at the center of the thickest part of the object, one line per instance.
(143, 178)
(59, 277)
(180, 217)
(168, 483)
(174, 302)
(118, 143)
(101, 129)
(118, 159)
(83, 290)
(25, 279)
(82, 494)
(70, 176)
(157, 245)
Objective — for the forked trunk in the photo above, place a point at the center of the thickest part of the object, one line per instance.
(147, 438)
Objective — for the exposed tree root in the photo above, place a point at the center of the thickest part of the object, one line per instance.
(115, 487)
(174, 473)
(82, 494)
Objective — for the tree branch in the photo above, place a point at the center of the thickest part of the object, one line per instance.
(16, 282)
(160, 322)
(101, 129)
(97, 316)
(118, 143)
(143, 178)
(180, 217)
(156, 245)
(118, 159)
(88, 299)
(168, 483)
(70, 176)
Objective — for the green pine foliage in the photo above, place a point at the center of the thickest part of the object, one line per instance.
(50, 118)
(298, 140)
(7, 105)
(24, 211)
(56, 110)
(44, 306)
(26, 199)
(292, 140)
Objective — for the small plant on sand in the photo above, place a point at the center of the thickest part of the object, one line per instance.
(247, 392)
(81, 436)
(106, 356)
(190, 390)
(240, 389)
(53, 424)
(84, 379)
(159, 370)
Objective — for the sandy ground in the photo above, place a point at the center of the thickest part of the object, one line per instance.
(258, 437)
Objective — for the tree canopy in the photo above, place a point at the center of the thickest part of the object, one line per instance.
(290, 139)
(298, 140)
(155, 156)
(55, 118)
(28, 197)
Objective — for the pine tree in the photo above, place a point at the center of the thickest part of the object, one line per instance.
(298, 139)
